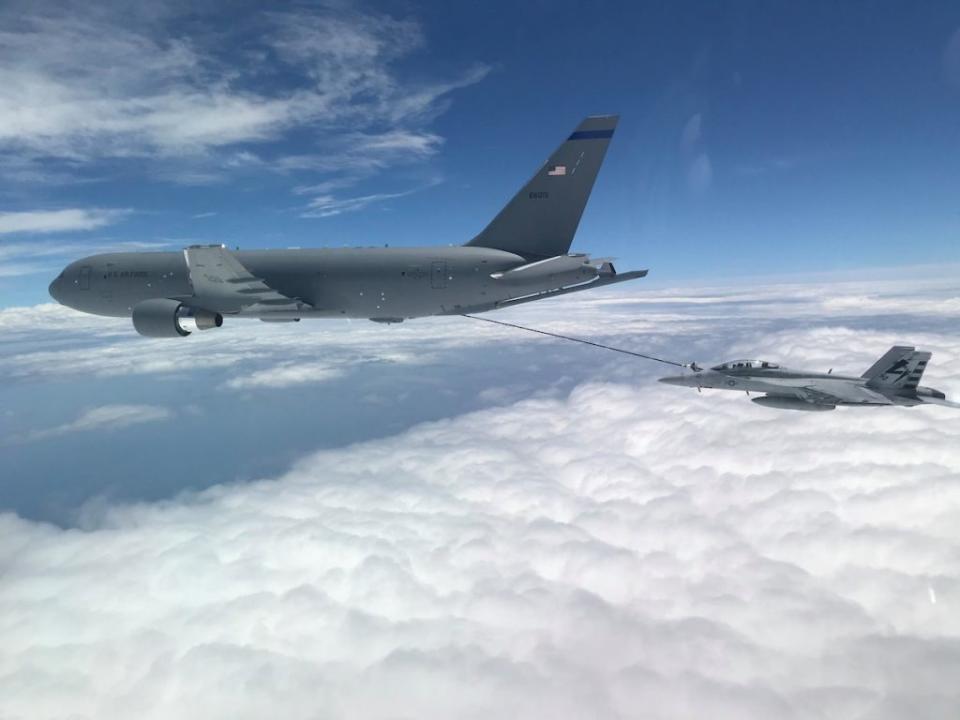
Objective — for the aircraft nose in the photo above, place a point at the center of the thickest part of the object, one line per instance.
(55, 288)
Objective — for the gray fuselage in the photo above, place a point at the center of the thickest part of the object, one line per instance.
(376, 283)
(804, 389)
(765, 380)
(523, 254)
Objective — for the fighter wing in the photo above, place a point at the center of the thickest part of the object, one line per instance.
(222, 284)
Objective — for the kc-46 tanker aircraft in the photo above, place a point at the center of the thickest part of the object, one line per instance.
(522, 255)
(894, 379)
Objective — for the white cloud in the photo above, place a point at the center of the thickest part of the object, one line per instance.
(285, 375)
(822, 317)
(591, 556)
(628, 550)
(56, 221)
(19, 269)
(99, 419)
(700, 173)
(356, 155)
(357, 158)
(76, 344)
(189, 93)
(53, 319)
(402, 141)
(699, 168)
(906, 305)
(18, 259)
(330, 205)
(10, 251)
(212, 94)
(692, 133)
(157, 98)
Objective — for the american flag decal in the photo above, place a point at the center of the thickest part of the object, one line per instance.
(556, 170)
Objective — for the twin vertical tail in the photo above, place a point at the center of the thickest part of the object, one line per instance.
(541, 220)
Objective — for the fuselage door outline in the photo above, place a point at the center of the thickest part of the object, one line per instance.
(438, 275)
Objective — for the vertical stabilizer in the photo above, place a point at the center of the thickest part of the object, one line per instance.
(541, 220)
(900, 369)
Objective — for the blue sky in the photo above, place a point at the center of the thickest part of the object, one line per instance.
(756, 138)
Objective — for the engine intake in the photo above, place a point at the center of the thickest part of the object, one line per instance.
(206, 320)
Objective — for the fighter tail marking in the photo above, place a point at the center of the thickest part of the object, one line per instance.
(900, 368)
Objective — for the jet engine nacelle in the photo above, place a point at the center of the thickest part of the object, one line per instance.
(163, 317)
(788, 403)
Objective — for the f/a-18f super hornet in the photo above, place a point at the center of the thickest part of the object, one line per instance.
(894, 379)
(522, 255)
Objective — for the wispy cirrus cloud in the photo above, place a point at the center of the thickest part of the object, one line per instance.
(330, 205)
(39, 254)
(178, 91)
(359, 157)
(356, 155)
(201, 101)
(57, 221)
(28, 258)
(699, 168)
(98, 419)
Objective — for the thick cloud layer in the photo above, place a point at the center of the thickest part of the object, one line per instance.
(625, 549)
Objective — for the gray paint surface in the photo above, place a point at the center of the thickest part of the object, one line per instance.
(521, 256)
(894, 379)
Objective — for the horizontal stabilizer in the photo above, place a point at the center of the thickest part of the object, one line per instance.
(943, 402)
(931, 396)
(562, 269)
(609, 279)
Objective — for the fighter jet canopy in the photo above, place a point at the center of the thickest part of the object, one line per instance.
(746, 365)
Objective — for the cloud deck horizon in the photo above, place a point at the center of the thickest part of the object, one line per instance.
(620, 549)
